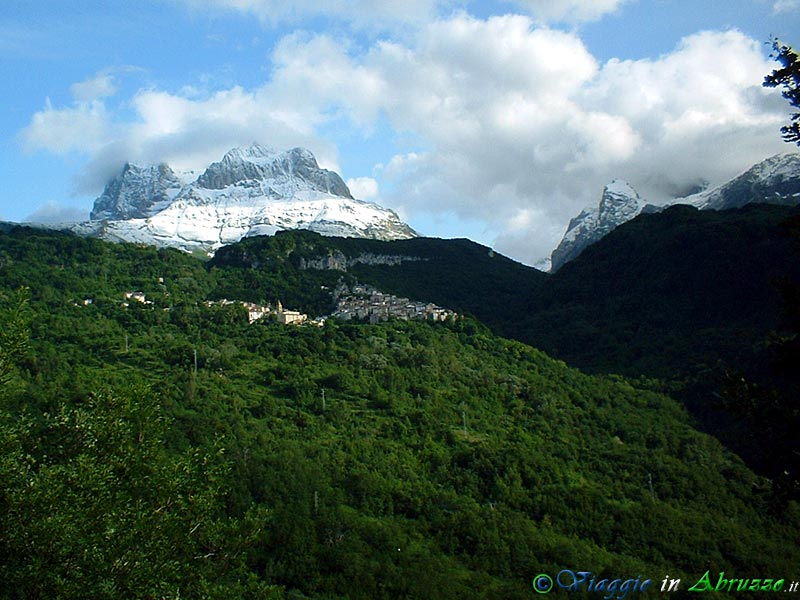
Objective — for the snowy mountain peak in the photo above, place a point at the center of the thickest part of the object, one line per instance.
(775, 180)
(254, 153)
(280, 173)
(252, 190)
(619, 189)
(139, 191)
(619, 203)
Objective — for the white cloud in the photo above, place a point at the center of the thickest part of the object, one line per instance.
(378, 14)
(94, 88)
(518, 118)
(361, 13)
(186, 132)
(502, 122)
(509, 137)
(400, 163)
(570, 11)
(84, 127)
(785, 6)
(319, 70)
(51, 213)
(487, 98)
(683, 105)
(363, 188)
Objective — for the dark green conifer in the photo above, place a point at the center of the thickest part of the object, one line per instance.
(789, 77)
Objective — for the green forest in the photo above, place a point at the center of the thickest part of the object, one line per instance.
(174, 450)
(704, 301)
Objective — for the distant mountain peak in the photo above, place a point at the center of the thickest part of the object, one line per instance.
(620, 188)
(139, 191)
(618, 203)
(281, 173)
(775, 180)
(251, 190)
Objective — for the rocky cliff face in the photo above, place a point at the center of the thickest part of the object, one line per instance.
(140, 191)
(337, 261)
(251, 191)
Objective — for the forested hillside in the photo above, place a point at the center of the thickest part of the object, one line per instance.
(172, 449)
(705, 300)
(663, 295)
(669, 293)
(702, 300)
(457, 274)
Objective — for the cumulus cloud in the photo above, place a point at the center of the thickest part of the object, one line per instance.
(503, 121)
(361, 13)
(52, 213)
(84, 126)
(321, 70)
(531, 122)
(686, 104)
(363, 188)
(374, 14)
(186, 132)
(571, 11)
(785, 6)
(488, 98)
(99, 86)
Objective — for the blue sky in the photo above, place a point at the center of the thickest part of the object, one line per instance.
(496, 121)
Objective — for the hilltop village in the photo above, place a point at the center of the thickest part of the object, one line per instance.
(358, 302)
(256, 312)
(364, 302)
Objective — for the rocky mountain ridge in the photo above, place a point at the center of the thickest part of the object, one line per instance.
(250, 191)
(775, 180)
(140, 191)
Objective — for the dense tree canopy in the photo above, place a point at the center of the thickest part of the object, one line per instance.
(395, 460)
